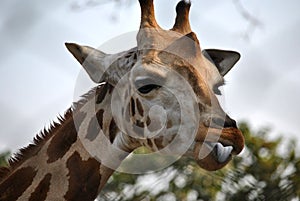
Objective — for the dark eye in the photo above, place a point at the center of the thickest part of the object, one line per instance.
(148, 88)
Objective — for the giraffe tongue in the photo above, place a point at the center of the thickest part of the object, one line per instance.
(222, 153)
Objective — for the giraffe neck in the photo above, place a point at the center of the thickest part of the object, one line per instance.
(58, 166)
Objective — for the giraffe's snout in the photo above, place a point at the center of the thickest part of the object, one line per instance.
(229, 123)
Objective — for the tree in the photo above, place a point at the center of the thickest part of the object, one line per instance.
(266, 170)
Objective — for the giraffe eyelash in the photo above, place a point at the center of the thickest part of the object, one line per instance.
(216, 89)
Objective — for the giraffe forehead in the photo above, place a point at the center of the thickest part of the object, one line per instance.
(158, 39)
(145, 73)
(173, 74)
(200, 69)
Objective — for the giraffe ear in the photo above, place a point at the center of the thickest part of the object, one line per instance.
(92, 60)
(223, 59)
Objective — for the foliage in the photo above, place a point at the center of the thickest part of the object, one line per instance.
(266, 170)
(3, 159)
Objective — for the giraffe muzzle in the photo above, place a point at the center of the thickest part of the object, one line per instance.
(215, 147)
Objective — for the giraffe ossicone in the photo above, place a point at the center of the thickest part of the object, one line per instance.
(161, 94)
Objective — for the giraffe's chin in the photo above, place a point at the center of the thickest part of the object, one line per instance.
(207, 158)
(214, 149)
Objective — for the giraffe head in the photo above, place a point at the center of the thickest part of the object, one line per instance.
(167, 85)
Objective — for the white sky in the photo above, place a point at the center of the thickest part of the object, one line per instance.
(38, 75)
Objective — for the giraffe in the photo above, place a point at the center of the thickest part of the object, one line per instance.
(144, 97)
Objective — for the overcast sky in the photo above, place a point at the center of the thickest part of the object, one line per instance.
(38, 75)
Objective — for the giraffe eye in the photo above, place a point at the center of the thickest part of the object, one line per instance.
(147, 84)
(148, 88)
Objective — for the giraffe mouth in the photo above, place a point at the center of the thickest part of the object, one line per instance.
(221, 153)
(222, 138)
(214, 150)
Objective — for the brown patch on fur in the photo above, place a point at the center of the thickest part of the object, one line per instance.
(191, 75)
(84, 178)
(201, 107)
(60, 144)
(149, 142)
(139, 107)
(95, 125)
(127, 113)
(235, 136)
(12, 189)
(169, 124)
(139, 123)
(3, 172)
(42, 189)
(132, 107)
(159, 142)
(102, 91)
(138, 128)
(113, 129)
(148, 121)
(99, 116)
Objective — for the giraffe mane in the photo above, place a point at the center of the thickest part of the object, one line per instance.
(45, 134)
